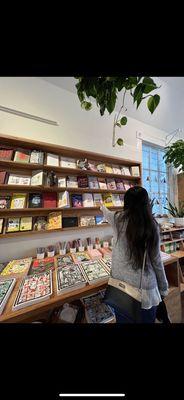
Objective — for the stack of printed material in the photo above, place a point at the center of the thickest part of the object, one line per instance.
(106, 252)
(70, 277)
(96, 311)
(17, 266)
(34, 289)
(165, 256)
(80, 256)
(64, 260)
(94, 254)
(6, 287)
(94, 271)
(107, 262)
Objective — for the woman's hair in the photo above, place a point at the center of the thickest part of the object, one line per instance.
(141, 230)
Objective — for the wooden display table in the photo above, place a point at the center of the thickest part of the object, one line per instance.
(31, 313)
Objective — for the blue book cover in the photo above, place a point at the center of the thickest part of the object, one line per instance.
(76, 200)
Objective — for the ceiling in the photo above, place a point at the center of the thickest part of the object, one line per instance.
(168, 116)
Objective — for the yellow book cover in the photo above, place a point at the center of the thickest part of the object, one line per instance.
(18, 200)
(108, 169)
(26, 224)
(107, 199)
(54, 221)
(17, 266)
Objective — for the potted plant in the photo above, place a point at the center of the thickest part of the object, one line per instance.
(175, 155)
(177, 213)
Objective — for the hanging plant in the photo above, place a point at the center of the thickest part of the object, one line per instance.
(175, 155)
(105, 91)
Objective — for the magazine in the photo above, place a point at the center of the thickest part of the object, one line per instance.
(94, 271)
(70, 277)
(6, 287)
(17, 266)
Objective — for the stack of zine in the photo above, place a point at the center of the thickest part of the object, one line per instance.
(96, 311)
(6, 287)
(34, 289)
(107, 262)
(70, 277)
(94, 271)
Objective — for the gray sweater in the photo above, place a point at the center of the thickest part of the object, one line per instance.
(154, 281)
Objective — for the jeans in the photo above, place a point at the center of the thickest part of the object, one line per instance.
(148, 317)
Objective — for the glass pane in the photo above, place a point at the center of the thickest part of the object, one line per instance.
(162, 164)
(163, 183)
(146, 182)
(145, 157)
(154, 159)
(154, 181)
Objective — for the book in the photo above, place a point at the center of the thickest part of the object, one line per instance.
(107, 262)
(116, 200)
(80, 256)
(125, 170)
(116, 169)
(26, 223)
(87, 221)
(44, 265)
(22, 156)
(17, 266)
(71, 182)
(64, 260)
(107, 199)
(94, 254)
(5, 202)
(69, 278)
(13, 225)
(87, 199)
(18, 200)
(135, 171)
(2, 266)
(6, 153)
(1, 224)
(82, 181)
(101, 167)
(99, 219)
(37, 178)
(97, 312)
(111, 184)
(97, 199)
(68, 162)
(49, 200)
(93, 182)
(54, 221)
(92, 165)
(106, 252)
(108, 169)
(35, 200)
(127, 185)
(76, 200)
(102, 183)
(3, 176)
(40, 224)
(94, 271)
(15, 179)
(63, 199)
(119, 184)
(121, 196)
(69, 222)
(83, 164)
(6, 287)
(61, 181)
(52, 159)
(36, 157)
(33, 289)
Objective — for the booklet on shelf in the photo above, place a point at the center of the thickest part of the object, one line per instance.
(52, 159)
(119, 184)
(13, 225)
(135, 171)
(15, 179)
(69, 222)
(108, 169)
(87, 221)
(37, 157)
(3, 177)
(35, 200)
(100, 220)
(40, 224)
(93, 182)
(49, 200)
(54, 221)
(26, 223)
(6, 153)
(97, 199)
(116, 169)
(76, 200)
(5, 201)
(80, 256)
(37, 178)
(71, 182)
(61, 181)
(22, 156)
(116, 200)
(92, 165)
(82, 181)
(107, 199)
(18, 200)
(111, 184)
(125, 170)
(1, 224)
(68, 162)
(63, 199)
(127, 185)
(102, 183)
(87, 199)
(101, 167)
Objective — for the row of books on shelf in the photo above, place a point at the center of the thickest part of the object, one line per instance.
(39, 157)
(60, 200)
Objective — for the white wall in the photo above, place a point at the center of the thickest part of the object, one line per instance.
(77, 128)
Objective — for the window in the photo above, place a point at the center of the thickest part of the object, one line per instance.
(155, 176)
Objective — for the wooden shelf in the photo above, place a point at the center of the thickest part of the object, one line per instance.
(29, 188)
(19, 211)
(173, 230)
(171, 241)
(178, 254)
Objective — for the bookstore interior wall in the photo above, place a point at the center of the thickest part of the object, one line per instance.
(77, 129)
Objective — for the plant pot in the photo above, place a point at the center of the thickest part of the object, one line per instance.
(179, 221)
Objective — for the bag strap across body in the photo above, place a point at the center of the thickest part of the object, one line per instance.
(132, 291)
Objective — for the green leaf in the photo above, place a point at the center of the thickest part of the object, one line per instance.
(118, 124)
(153, 102)
(86, 105)
(123, 121)
(120, 142)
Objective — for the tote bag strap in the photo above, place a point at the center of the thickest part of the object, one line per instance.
(143, 268)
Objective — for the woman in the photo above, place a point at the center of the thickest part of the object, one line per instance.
(134, 230)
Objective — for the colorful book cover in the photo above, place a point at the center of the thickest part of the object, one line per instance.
(119, 184)
(22, 156)
(68, 162)
(17, 266)
(5, 202)
(82, 181)
(116, 200)
(61, 181)
(64, 260)
(2, 177)
(108, 169)
(40, 224)
(96, 311)
(80, 256)
(94, 254)
(15, 179)
(63, 199)
(6, 287)
(121, 196)
(97, 199)
(83, 164)
(49, 200)
(127, 185)
(92, 165)
(87, 199)
(53, 159)
(87, 221)
(101, 167)
(125, 171)
(93, 182)
(6, 154)
(26, 223)
(1, 224)
(116, 169)
(71, 182)
(35, 200)
(76, 200)
(13, 225)
(37, 157)
(111, 184)
(102, 183)
(69, 277)
(18, 200)
(135, 171)
(39, 266)
(69, 222)
(107, 199)
(54, 221)
(94, 270)
(37, 178)
(100, 220)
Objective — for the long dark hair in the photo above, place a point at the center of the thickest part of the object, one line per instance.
(141, 229)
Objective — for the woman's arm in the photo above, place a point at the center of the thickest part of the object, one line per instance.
(108, 215)
(159, 268)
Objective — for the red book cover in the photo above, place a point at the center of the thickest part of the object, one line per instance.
(49, 200)
(6, 154)
(2, 177)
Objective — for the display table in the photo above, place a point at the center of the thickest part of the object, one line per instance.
(31, 313)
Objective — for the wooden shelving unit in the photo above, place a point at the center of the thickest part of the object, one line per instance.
(26, 169)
